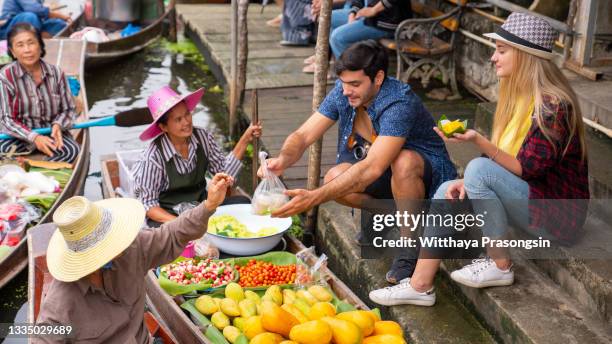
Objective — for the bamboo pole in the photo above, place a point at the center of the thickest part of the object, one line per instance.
(233, 83)
(243, 49)
(172, 19)
(319, 91)
(254, 120)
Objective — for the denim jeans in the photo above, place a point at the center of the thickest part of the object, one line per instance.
(498, 192)
(51, 25)
(345, 35)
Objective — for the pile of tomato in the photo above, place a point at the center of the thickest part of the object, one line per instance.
(258, 273)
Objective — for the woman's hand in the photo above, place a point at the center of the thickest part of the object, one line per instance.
(45, 144)
(351, 17)
(315, 9)
(455, 190)
(56, 134)
(217, 190)
(470, 135)
(253, 131)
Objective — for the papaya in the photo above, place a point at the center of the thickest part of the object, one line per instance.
(277, 320)
(322, 309)
(320, 293)
(234, 291)
(295, 312)
(384, 339)
(312, 332)
(219, 320)
(267, 338)
(288, 296)
(361, 319)
(252, 327)
(306, 296)
(247, 308)
(231, 333)
(273, 293)
(206, 305)
(388, 327)
(229, 307)
(251, 295)
(344, 332)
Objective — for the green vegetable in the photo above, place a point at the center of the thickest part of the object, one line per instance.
(296, 228)
(229, 226)
(43, 201)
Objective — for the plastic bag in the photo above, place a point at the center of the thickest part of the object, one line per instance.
(205, 249)
(16, 217)
(310, 275)
(270, 193)
(184, 206)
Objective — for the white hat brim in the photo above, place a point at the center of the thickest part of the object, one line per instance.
(65, 265)
(532, 51)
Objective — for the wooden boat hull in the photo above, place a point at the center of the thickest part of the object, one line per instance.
(58, 50)
(167, 308)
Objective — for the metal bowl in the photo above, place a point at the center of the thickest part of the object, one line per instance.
(253, 223)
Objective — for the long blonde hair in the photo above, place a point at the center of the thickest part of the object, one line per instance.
(534, 78)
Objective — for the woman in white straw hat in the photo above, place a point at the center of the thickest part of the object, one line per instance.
(533, 172)
(99, 256)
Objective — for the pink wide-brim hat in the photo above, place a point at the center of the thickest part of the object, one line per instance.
(161, 101)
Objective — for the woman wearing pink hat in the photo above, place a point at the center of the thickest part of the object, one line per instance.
(533, 173)
(173, 168)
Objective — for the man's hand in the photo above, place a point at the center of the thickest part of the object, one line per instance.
(301, 200)
(351, 17)
(275, 165)
(455, 190)
(45, 144)
(56, 134)
(217, 190)
(366, 12)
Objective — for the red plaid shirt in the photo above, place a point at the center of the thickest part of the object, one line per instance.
(558, 183)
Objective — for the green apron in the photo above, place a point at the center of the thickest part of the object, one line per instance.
(190, 187)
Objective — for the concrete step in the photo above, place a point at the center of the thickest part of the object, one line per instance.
(447, 322)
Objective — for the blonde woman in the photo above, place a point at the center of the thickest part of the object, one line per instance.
(537, 151)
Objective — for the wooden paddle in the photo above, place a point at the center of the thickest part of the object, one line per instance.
(129, 118)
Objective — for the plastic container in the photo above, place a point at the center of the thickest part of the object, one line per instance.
(127, 160)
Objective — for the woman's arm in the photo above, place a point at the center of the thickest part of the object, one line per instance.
(254, 130)
(9, 125)
(159, 214)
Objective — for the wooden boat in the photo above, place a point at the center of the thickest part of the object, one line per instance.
(69, 55)
(168, 307)
(105, 52)
(39, 279)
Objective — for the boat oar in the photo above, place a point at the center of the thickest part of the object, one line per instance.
(129, 118)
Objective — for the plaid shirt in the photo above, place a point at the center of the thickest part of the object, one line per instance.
(558, 184)
(25, 105)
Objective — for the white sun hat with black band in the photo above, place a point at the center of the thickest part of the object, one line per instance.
(91, 234)
(529, 33)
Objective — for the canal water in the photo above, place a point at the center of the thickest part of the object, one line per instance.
(125, 85)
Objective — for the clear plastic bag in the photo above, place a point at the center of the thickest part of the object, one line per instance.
(183, 207)
(311, 275)
(270, 193)
(204, 248)
(16, 217)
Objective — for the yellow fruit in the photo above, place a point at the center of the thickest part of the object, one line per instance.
(273, 294)
(252, 327)
(247, 308)
(239, 323)
(234, 291)
(312, 332)
(361, 319)
(344, 332)
(322, 309)
(206, 305)
(277, 320)
(320, 293)
(231, 333)
(384, 339)
(388, 327)
(230, 307)
(217, 302)
(303, 306)
(295, 312)
(288, 296)
(375, 317)
(267, 338)
(306, 296)
(251, 295)
(220, 320)
(288, 342)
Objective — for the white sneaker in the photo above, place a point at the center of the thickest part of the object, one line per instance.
(483, 273)
(403, 294)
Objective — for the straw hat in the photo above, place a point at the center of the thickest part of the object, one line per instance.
(529, 33)
(161, 101)
(91, 234)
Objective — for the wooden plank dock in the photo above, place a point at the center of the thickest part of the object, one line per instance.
(285, 93)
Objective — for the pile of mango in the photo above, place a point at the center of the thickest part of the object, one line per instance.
(305, 316)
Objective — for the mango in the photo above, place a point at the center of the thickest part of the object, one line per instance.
(277, 320)
(217, 302)
(267, 338)
(312, 332)
(247, 308)
(388, 327)
(220, 320)
(231, 333)
(451, 127)
(252, 327)
(322, 309)
(303, 306)
(296, 313)
(206, 305)
(234, 291)
(251, 295)
(288, 296)
(288, 342)
(384, 339)
(238, 322)
(375, 314)
(344, 332)
(306, 296)
(361, 319)
(320, 293)
(273, 294)
(230, 307)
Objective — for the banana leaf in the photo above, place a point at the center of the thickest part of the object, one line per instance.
(211, 332)
(42, 201)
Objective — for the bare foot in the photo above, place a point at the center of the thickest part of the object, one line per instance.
(276, 21)
(309, 69)
(310, 60)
